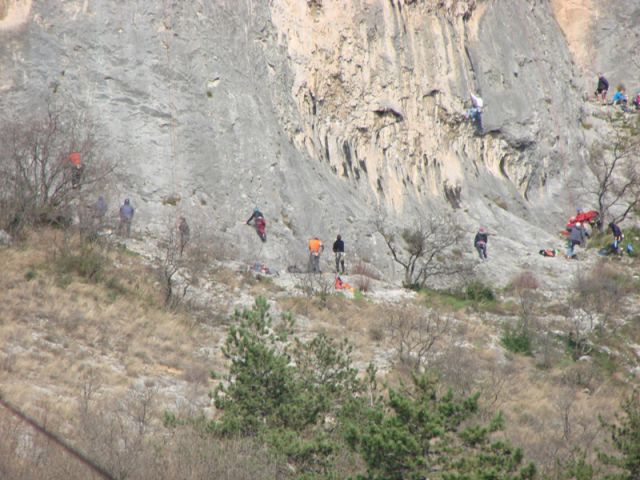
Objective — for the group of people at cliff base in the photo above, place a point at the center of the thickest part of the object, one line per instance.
(126, 212)
(316, 247)
(578, 235)
(619, 98)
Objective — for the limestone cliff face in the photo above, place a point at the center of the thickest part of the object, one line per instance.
(321, 112)
(381, 88)
(603, 38)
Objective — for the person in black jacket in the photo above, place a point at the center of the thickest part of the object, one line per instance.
(480, 242)
(338, 250)
(602, 88)
(617, 237)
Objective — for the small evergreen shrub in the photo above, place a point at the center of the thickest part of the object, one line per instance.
(517, 340)
(479, 292)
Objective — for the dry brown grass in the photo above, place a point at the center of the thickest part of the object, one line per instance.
(57, 339)
(548, 411)
(51, 332)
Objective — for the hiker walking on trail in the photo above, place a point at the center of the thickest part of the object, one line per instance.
(617, 237)
(480, 242)
(259, 223)
(338, 250)
(315, 250)
(126, 215)
(475, 112)
(577, 236)
(184, 233)
(602, 88)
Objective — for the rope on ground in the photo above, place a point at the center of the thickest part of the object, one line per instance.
(81, 457)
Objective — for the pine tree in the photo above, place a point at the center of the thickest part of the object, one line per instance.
(625, 437)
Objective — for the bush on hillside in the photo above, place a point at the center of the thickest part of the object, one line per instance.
(303, 399)
(38, 182)
(479, 292)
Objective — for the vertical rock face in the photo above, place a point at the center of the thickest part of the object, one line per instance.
(604, 38)
(319, 112)
(381, 86)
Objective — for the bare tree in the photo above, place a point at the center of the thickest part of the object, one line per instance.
(38, 179)
(426, 250)
(171, 263)
(597, 302)
(415, 332)
(617, 173)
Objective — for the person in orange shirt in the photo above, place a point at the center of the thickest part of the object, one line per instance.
(315, 249)
(76, 169)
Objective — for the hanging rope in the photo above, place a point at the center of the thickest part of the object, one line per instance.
(168, 25)
(75, 453)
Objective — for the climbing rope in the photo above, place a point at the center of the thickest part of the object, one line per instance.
(168, 25)
(75, 453)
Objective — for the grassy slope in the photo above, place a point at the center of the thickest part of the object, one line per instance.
(60, 333)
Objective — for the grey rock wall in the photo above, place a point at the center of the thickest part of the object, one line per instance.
(325, 115)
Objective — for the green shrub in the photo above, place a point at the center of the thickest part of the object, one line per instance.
(418, 431)
(169, 419)
(479, 292)
(114, 284)
(517, 340)
(305, 402)
(30, 275)
(86, 262)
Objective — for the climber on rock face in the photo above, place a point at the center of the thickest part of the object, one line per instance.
(77, 168)
(184, 233)
(475, 112)
(259, 223)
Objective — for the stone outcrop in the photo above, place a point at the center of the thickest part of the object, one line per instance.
(326, 114)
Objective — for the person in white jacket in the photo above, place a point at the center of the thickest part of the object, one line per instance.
(475, 112)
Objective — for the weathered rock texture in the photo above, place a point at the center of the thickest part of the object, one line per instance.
(323, 113)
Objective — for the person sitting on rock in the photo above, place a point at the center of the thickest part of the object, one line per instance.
(480, 242)
(602, 88)
(620, 98)
(636, 101)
